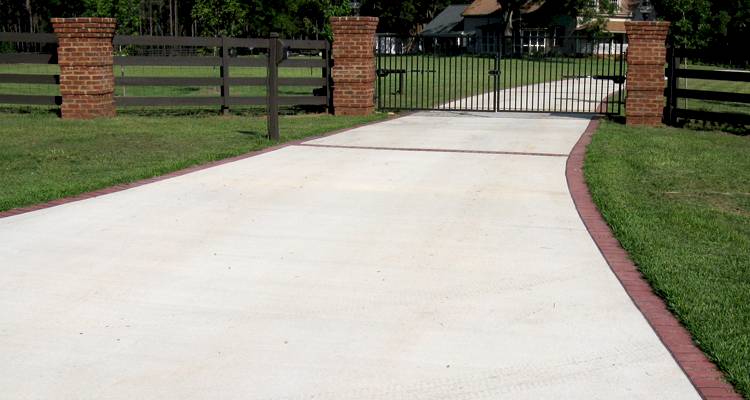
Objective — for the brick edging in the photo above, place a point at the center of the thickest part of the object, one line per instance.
(180, 172)
(702, 373)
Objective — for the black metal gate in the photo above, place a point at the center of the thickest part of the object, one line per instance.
(533, 72)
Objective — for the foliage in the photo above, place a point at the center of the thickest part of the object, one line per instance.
(691, 20)
(719, 27)
(404, 17)
(220, 17)
(125, 11)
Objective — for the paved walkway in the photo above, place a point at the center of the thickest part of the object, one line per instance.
(418, 258)
(574, 95)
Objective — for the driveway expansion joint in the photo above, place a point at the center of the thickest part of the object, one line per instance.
(434, 150)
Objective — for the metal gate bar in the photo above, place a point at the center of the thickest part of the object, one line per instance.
(531, 73)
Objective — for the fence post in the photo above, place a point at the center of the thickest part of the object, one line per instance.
(272, 88)
(354, 64)
(224, 76)
(674, 65)
(645, 83)
(329, 80)
(496, 75)
(85, 56)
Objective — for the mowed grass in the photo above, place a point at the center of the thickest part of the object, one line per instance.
(678, 200)
(43, 157)
(429, 81)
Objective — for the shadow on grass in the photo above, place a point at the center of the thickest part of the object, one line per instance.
(258, 134)
(739, 130)
(618, 119)
(697, 125)
(37, 110)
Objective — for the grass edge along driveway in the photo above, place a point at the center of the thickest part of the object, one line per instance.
(678, 201)
(43, 158)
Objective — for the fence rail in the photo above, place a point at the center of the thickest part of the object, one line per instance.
(225, 61)
(29, 79)
(676, 70)
(266, 54)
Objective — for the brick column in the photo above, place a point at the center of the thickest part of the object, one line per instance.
(84, 52)
(354, 65)
(647, 55)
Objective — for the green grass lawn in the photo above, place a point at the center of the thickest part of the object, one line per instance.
(43, 157)
(678, 200)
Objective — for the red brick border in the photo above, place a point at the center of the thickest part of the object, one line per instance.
(703, 374)
(185, 171)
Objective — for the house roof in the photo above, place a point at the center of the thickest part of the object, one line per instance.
(482, 7)
(486, 7)
(446, 22)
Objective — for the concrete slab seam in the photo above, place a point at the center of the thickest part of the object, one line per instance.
(514, 153)
(702, 373)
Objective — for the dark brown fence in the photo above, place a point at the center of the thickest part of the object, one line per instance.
(25, 49)
(286, 54)
(271, 58)
(717, 94)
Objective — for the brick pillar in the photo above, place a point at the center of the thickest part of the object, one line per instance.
(84, 52)
(354, 65)
(647, 54)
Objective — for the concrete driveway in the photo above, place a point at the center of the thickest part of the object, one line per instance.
(425, 257)
(574, 95)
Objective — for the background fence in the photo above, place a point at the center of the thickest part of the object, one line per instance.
(705, 91)
(167, 71)
(28, 69)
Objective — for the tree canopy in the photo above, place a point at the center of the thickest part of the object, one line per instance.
(719, 25)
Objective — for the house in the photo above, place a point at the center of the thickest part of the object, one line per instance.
(625, 10)
(447, 28)
(537, 26)
(527, 28)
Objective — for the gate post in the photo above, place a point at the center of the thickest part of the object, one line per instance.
(647, 53)
(272, 85)
(84, 53)
(354, 65)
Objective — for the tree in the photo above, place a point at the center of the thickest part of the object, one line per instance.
(315, 15)
(126, 12)
(692, 24)
(220, 17)
(720, 26)
(404, 17)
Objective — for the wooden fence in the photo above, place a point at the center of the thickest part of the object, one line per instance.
(276, 55)
(38, 58)
(676, 70)
(270, 54)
